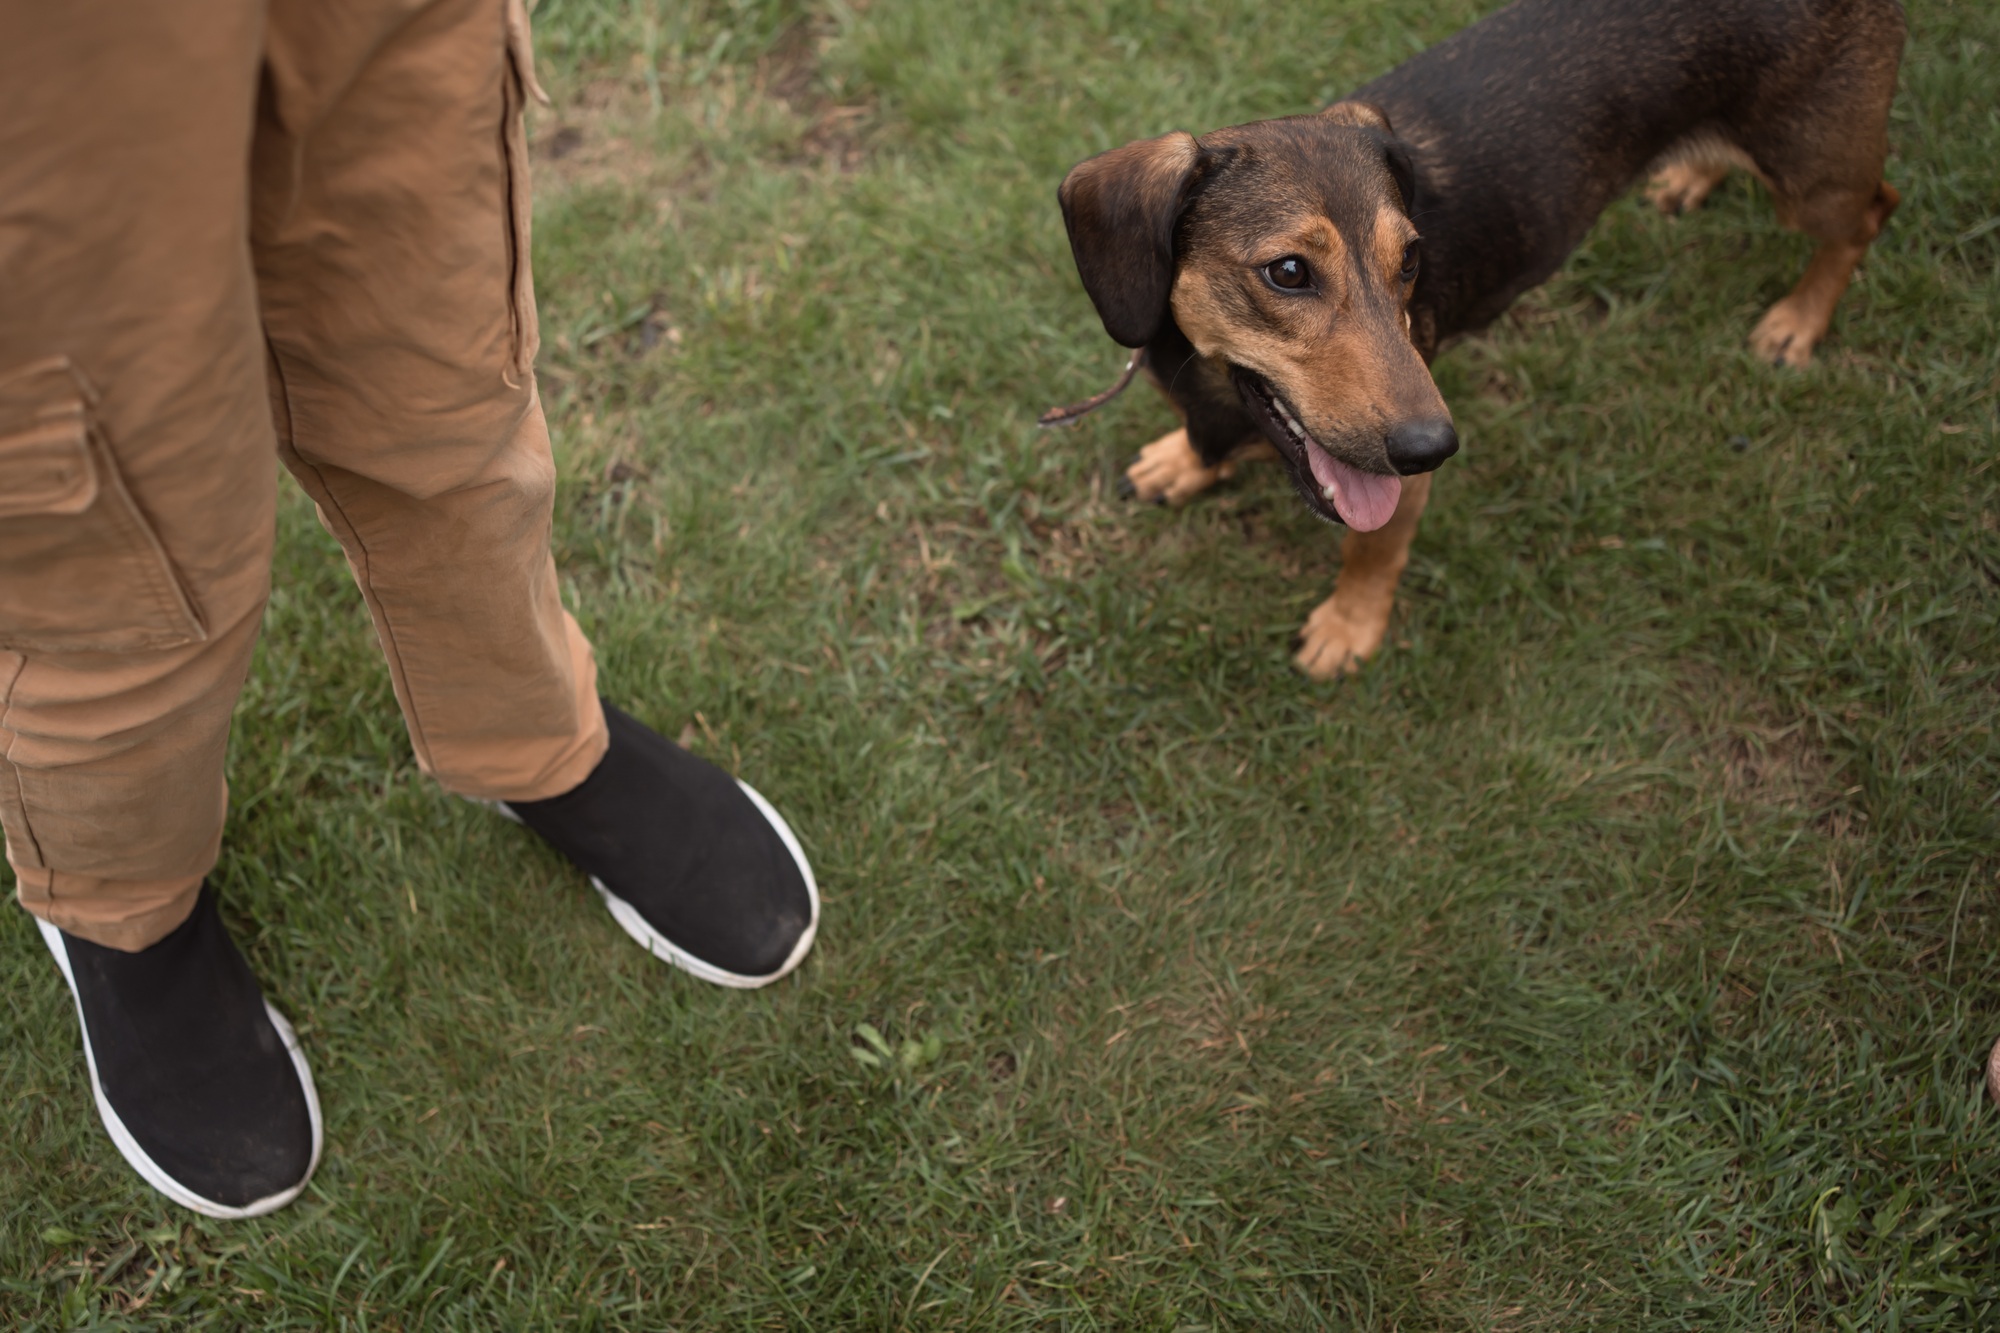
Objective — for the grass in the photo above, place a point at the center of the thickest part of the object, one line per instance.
(1618, 952)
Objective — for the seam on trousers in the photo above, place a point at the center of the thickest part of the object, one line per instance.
(14, 770)
(385, 631)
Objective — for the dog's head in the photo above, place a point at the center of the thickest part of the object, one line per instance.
(1284, 249)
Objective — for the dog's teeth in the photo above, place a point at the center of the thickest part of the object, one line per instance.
(1330, 494)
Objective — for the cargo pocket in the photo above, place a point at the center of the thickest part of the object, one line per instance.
(80, 568)
(521, 85)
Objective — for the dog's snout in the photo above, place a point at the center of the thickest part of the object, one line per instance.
(1421, 446)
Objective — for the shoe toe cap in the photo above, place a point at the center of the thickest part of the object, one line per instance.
(754, 912)
(256, 1147)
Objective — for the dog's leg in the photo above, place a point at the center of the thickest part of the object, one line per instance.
(1788, 331)
(1170, 471)
(1823, 161)
(1680, 187)
(1347, 628)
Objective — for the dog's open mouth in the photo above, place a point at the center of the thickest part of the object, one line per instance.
(1364, 501)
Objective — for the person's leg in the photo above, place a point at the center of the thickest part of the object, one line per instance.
(390, 239)
(390, 229)
(136, 499)
(129, 348)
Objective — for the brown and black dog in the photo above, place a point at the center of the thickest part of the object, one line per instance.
(1288, 281)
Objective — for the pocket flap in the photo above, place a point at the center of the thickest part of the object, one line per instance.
(46, 469)
(44, 445)
(84, 570)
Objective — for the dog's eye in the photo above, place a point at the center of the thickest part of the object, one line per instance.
(1291, 273)
(1409, 261)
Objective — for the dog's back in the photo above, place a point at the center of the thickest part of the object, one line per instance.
(1525, 126)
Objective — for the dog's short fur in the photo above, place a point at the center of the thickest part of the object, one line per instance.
(1290, 280)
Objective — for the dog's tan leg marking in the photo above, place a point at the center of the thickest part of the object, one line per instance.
(1680, 187)
(1169, 471)
(1347, 628)
(1787, 333)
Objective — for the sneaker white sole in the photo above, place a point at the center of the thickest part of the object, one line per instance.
(664, 949)
(128, 1147)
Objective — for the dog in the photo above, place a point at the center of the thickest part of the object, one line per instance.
(1287, 283)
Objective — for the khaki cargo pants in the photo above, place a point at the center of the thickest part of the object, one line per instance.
(230, 228)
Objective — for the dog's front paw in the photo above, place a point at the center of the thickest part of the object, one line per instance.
(1786, 334)
(1341, 634)
(1168, 471)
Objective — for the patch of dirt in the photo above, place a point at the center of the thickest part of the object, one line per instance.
(587, 138)
(790, 69)
(561, 142)
(835, 140)
(607, 129)
(1745, 743)
(789, 73)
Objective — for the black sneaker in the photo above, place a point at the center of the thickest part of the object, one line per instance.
(200, 1081)
(694, 864)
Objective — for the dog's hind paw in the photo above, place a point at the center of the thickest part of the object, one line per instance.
(1168, 471)
(1681, 187)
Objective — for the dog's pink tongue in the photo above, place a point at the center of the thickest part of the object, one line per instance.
(1365, 500)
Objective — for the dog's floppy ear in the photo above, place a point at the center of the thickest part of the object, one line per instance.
(1368, 116)
(1397, 155)
(1120, 208)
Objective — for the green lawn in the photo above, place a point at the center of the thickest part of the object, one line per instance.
(1618, 952)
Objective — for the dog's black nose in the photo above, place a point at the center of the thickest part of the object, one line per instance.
(1421, 446)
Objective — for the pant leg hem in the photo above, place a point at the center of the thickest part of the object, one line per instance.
(549, 774)
(118, 914)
